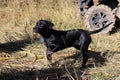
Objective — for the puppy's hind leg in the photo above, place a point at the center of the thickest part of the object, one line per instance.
(85, 59)
(84, 50)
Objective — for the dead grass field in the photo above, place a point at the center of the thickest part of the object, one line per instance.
(18, 48)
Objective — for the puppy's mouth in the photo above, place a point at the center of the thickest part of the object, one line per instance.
(34, 30)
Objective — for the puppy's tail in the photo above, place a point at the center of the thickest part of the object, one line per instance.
(97, 31)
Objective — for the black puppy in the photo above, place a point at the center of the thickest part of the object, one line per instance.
(58, 40)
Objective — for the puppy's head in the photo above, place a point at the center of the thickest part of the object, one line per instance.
(43, 26)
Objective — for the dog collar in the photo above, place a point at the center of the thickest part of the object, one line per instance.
(41, 40)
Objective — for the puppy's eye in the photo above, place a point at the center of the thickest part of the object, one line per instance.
(37, 24)
(41, 25)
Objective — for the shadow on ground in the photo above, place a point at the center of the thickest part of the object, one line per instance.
(98, 59)
(66, 72)
(14, 46)
(46, 74)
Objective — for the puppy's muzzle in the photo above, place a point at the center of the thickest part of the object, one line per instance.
(35, 30)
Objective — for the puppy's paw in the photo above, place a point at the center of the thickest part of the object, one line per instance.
(49, 64)
(78, 60)
(49, 57)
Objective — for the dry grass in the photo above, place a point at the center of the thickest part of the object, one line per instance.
(17, 18)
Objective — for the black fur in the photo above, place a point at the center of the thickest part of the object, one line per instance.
(57, 40)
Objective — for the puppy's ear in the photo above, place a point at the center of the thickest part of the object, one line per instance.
(50, 24)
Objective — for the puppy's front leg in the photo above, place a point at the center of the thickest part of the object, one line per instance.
(49, 57)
